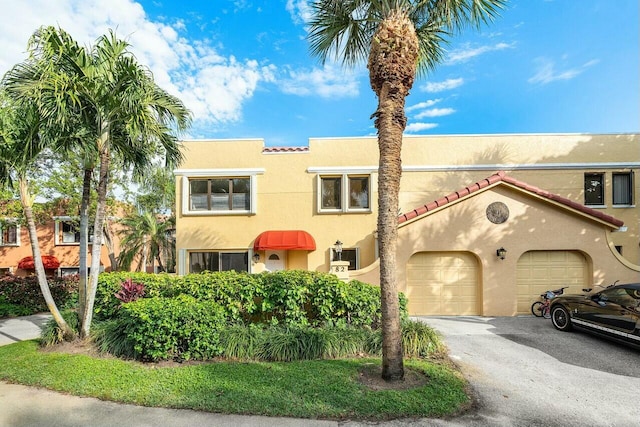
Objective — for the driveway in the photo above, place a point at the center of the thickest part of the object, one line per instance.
(526, 373)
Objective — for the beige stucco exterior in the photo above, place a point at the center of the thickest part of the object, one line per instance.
(285, 184)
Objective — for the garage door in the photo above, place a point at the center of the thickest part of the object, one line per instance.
(539, 271)
(442, 283)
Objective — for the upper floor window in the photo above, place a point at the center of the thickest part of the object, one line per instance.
(345, 193)
(219, 191)
(10, 234)
(218, 261)
(220, 194)
(594, 189)
(623, 188)
(67, 232)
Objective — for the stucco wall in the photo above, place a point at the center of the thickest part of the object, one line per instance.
(533, 224)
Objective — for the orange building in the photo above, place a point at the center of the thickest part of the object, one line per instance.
(59, 241)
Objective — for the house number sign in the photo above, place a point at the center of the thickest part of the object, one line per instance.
(497, 212)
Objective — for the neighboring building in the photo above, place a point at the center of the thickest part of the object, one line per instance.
(562, 206)
(59, 241)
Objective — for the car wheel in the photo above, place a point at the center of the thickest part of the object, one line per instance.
(560, 318)
(536, 308)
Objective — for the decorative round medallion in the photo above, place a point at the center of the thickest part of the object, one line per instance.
(497, 212)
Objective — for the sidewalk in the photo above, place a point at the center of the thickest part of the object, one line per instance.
(22, 328)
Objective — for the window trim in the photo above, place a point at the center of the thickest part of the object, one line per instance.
(14, 223)
(58, 220)
(187, 175)
(631, 189)
(602, 185)
(247, 253)
(345, 185)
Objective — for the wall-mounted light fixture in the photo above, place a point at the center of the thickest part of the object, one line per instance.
(337, 247)
(256, 257)
(501, 253)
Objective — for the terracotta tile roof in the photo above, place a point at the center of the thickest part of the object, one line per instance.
(285, 150)
(502, 177)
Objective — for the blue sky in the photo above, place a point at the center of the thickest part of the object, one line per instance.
(243, 67)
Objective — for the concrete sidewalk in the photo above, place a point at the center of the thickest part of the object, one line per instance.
(22, 328)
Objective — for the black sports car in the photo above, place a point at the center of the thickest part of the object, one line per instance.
(614, 312)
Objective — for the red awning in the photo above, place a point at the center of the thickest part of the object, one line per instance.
(50, 262)
(284, 240)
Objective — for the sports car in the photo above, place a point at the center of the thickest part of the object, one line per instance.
(613, 312)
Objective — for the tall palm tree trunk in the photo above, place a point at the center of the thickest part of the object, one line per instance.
(84, 240)
(26, 201)
(392, 68)
(96, 248)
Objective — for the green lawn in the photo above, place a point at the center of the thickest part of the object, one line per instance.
(307, 389)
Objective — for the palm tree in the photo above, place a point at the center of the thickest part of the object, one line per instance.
(147, 237)
(20, 146)
(398, 38)
(117, 108)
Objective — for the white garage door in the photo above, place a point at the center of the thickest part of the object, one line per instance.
(539, 271)
(443, 283)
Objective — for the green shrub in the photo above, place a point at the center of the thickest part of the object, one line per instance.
(22, 295)
(241, 342)
(420, 339)
(179, 328)
(109, 284)
(237, 293)
(8, 309)
(286, 297)
(52, 334)
(112, 336)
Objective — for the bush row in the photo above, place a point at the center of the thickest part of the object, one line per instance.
(21, 296)
(286, 297)
(208, 337)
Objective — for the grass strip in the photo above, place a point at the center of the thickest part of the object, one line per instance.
(325, 389)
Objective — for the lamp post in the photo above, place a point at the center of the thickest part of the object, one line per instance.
(337, 247)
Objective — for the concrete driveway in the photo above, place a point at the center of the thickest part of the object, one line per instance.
(526, 373)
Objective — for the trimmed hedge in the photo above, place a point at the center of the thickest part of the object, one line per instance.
(285, 315)
(285, 297)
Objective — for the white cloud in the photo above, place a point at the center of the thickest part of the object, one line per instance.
(435, 112)
(426, 104)
(442, 86)
(331, 81)
(467, 52)
(212, 85)
(418, 127)
(546, 71)
(299, 10)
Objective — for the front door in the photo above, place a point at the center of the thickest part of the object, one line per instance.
(274, 260)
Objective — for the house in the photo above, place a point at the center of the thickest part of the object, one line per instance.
(59, 240)
(486, 222)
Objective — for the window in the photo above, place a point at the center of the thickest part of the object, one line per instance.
(4, 271)
(345, 193)
(352, 255)
(68, 232)
(220, 194)
(10, 235)
(594, 189)
(218, 261)
(623, 188)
